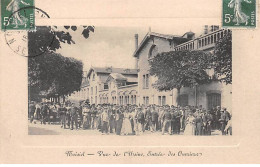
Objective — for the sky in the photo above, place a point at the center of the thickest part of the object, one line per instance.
(114, 46)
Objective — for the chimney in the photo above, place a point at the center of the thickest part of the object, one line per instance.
(206, 29)
(136, 41)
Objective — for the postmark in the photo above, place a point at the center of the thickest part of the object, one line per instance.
(18, 40)
(239, 13)
(15, 15)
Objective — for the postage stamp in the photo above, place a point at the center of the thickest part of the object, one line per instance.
(17, 15)
(18, 40)
(239, 13)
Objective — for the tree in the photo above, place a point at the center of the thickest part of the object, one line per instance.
(47, 38)
(52, 75)
(177, 69)
(222, 58)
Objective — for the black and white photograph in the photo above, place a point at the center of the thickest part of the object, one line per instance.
(130, 81)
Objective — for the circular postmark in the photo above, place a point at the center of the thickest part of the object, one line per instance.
(32, 41)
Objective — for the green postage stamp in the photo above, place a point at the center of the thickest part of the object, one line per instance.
(239, 13)
(17, 15)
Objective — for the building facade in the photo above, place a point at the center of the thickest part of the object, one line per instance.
(134, 86)
(108, 85)
(208, 95)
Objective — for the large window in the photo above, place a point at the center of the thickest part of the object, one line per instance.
(146, 100)
(153, 51)
(213, 99)
(133, 99)
(146, 81)
(161, 100)
(183, 100)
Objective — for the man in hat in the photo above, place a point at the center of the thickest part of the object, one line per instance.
(148, 118)
(62, 113)
(176, 121)
(155, 116)
(44, 111)
(112, 113)
(32, 109)
(224, 118)
(73, 116)
(105, 120)
(217, 117)
(140, 120)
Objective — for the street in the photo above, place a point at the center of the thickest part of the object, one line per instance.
(36, 128)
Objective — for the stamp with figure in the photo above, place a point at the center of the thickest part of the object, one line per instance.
(17, 15)
(239, 13)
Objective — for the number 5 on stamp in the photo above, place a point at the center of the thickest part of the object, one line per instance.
(239, 13)
(17, 15)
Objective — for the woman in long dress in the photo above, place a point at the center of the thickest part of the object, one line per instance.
(126, 127)
(190, 125)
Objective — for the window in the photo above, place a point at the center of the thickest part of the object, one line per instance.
(183, 100)
(133, 99)
(126, 99)
(147, 81)
(153, 51)
(213, 99)
(105, 86)
(96, 89)
(161, 100)
(146, 100)
(143, 81)
(93, 77)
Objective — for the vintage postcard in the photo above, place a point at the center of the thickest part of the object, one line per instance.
(128, 82)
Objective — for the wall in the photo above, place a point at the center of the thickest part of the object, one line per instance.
(143, 64)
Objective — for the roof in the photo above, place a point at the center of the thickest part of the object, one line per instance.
(123, 77)
(118, 76)
(109, 70)
(149, 34)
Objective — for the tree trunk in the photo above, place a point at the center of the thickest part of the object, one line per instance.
(196, 98)
(178, 96)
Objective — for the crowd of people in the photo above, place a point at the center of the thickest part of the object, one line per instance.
(132, 119)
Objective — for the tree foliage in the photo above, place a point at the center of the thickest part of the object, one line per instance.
(53, 75)
(50, 74)
(47, 38)
(176, 69)
(222, 58)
